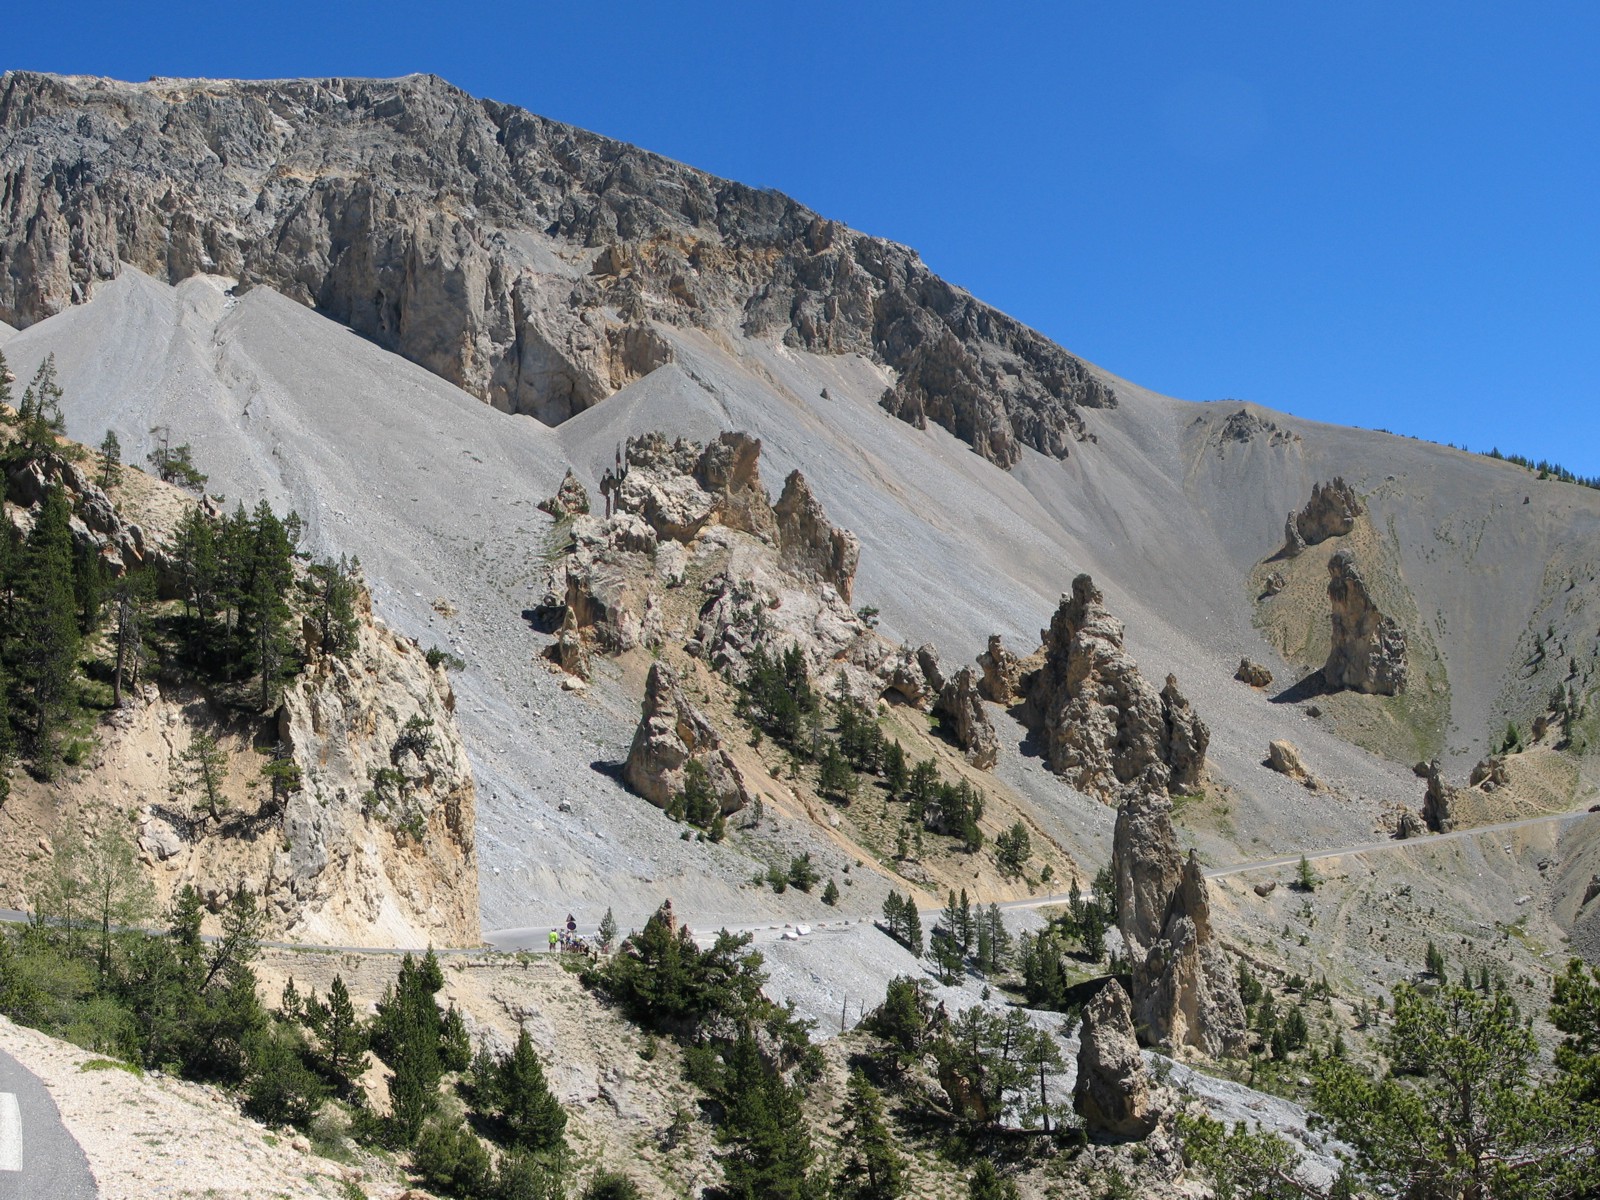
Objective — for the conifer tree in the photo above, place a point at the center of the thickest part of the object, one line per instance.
(110, 460)
(873, 1168)
(131, 600)
(333, 609)
(770, 1155)
(531, 1113)
(46, 646)
(341, 1037)
(205, 767)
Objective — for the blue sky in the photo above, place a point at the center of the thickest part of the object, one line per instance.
(1376, 214)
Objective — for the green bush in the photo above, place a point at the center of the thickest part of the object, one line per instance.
(279, 1089)
(449, 1158)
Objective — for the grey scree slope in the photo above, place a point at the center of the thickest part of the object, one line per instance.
(435, 492)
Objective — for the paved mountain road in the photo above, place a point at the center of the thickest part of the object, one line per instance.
(1293, 860)
(39, 1160)
(534, 937)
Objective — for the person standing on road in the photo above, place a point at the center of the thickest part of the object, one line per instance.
(555, 940)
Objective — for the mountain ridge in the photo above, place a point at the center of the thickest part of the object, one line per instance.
(402, 180)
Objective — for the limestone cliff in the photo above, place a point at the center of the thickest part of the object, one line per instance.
(531, 263)
(380, 836)
(368, 839)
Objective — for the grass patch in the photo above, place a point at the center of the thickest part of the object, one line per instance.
(112, 1064)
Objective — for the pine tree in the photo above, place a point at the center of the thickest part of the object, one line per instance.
(342, 1038)
(946, 954)
(874, 1169)
(264, 610)
(988, 1184)
(333, 611)
(47, 642)
(912, 921)
(110, 460)
(607, 935)
(281, 772)
(532, 1115)
(205, 767)
(770, 1155)
(131, 600)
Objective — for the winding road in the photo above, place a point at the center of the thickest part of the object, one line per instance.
(39, 1159)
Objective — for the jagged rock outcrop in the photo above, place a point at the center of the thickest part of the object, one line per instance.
(1369, 649)
(961, 706)
(97, 526)
(1284, 758)
(914, 676)
(570, 500)
(536, 265)
(1331, 512)
(673, 732)
(1438, 801)
(1112, 1092)
(1244, 426)
(1490, 773)
(568, 651)
(811, 543)
(380, 835)
(1103, 726)
(1004, 672)
(1407, 826)
(1253, 673)
(729, 469)
(1185, 994)
(1294, 545)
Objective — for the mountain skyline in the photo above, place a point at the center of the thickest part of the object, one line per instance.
(1367, 218)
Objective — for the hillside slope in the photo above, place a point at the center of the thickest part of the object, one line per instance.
(1173, 507)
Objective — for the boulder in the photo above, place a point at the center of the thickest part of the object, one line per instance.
(1252, 673)
(1274, 583)
(1369, 649)
(1285, 759)
(159, 839)
(1266, 889)
(1112, 1093)
(1408, 826)
(1438, 801)
(962, 708)
(672, 731)
(1490, 773)
(1185, 992)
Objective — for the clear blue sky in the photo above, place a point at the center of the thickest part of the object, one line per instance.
(1377, 214)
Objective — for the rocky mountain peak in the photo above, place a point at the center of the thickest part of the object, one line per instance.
(533, 264)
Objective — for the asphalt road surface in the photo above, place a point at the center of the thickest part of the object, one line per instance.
(39, 1160)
